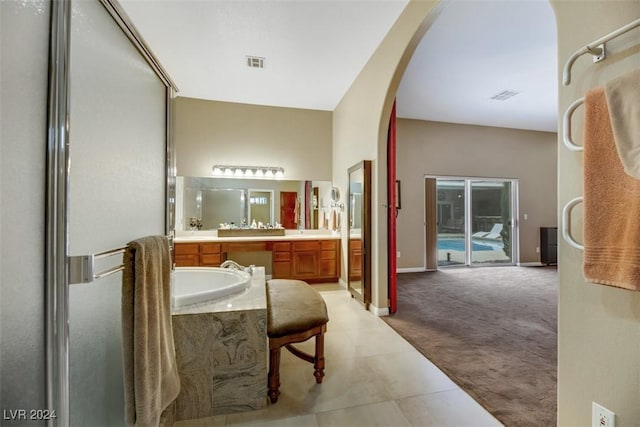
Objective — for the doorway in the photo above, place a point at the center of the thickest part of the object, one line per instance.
(472, 221)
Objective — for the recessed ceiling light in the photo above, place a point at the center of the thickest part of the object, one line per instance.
(255, 61)
(504, 95)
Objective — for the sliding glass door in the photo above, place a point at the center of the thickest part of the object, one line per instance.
(451, 221)
(491, 222)
(475, 223)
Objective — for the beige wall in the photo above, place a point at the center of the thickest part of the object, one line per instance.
(433, 148)
(599, 326)
(360, 123)
(212, 132)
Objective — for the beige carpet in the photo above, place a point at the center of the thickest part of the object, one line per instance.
(492, 330)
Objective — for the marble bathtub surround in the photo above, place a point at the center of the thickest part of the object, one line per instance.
(221, 351)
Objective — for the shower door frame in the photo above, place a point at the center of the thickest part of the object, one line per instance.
(57, 264)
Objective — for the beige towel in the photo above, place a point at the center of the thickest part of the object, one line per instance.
(150, 372)
(611, 204)
(623, 101)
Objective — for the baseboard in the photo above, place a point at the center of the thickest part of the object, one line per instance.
(531, 264)
(411, 270)
(379, 311)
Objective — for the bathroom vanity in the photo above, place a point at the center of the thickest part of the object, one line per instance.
(310, 257)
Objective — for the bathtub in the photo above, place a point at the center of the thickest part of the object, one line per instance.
(192, 285)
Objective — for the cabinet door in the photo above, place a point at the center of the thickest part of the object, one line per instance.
(329, 260)
(355, 259)
(306, 259)
(305, 264)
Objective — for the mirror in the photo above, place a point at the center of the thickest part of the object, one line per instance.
(203, 203)
(261, 207)
(359, 240)
(335, 194)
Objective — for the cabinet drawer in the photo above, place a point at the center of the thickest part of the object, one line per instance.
(328, 255)
(186, 260)
(327, 245)
(210, 260)
(281, 246)
(306, 246)
(282, 256)
(186, 249)
(210, 248)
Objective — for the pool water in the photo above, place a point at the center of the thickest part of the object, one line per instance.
(458, 245)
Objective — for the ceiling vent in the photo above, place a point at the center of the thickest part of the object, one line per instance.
(504, 95)
(255, 62)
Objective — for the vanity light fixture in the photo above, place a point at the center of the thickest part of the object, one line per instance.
(248, 171)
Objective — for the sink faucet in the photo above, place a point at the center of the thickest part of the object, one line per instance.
(231, 264)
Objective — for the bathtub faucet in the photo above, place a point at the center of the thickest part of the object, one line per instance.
(231, 264)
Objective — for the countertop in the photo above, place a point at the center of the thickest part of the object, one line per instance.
(212, 236)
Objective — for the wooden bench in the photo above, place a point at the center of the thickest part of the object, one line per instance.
(295, 313)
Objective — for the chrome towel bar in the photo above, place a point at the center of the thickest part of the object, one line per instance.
(82, 268)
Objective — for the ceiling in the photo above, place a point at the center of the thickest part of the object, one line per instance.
(314, 49)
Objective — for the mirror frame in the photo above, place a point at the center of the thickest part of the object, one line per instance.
(365, 235)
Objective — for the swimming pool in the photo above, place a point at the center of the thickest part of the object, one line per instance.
(458, 245)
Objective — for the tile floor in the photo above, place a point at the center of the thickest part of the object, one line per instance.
(373, 377)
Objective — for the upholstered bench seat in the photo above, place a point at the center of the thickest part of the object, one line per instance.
(295, 313)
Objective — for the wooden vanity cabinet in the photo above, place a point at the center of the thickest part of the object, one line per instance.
(187, 254)
(308, 260)
(197, 254)
(316, 260)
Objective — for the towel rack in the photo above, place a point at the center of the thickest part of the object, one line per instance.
(566, 127)
(566, 222)
(596, 48)
(82, 268)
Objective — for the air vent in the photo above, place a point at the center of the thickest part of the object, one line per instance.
(255, 62)
(504, 95)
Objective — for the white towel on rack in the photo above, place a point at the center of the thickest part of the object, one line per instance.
(623, 101)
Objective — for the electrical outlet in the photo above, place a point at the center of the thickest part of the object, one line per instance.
(526, 217)
(398, 254)
(537, 249)
(601, 416)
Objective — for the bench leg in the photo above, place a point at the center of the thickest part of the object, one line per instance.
(274, 374)
(319, 358)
